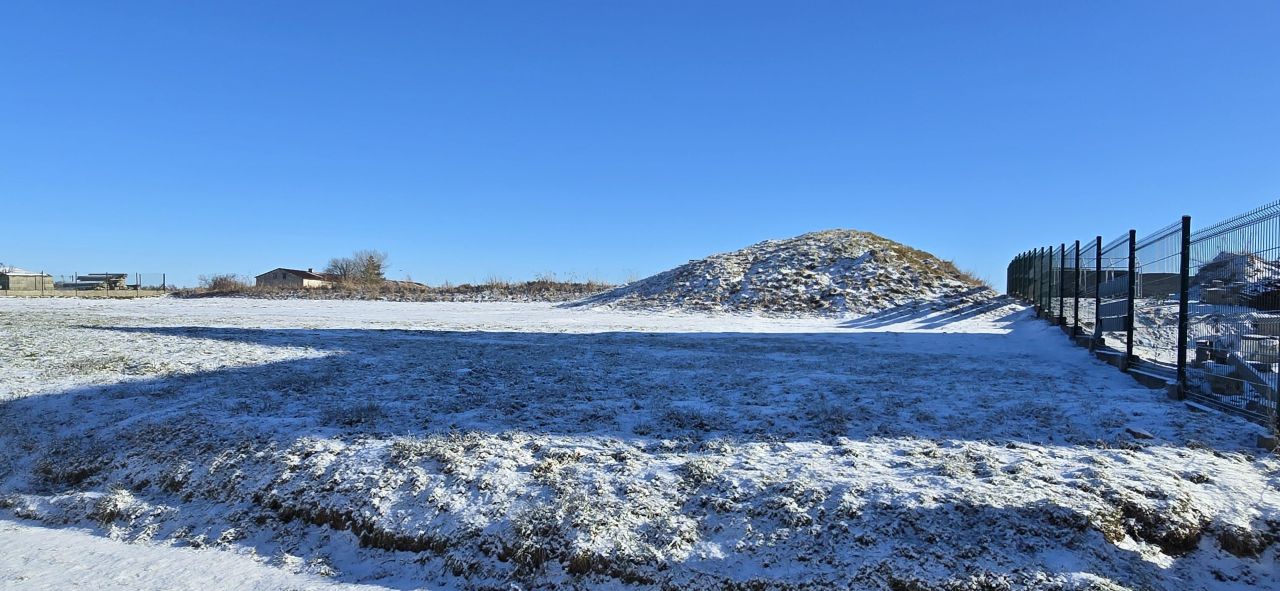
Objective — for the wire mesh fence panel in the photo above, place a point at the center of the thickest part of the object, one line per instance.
(1234, 314)
(151, 281)
(1016, 278)
(1088, 272)
(1051, 282)
(1158, 287)
(1113, 294)
(1070, 278)
(106, 283)
(1046, 282)
(1037, 276)
(1024, 276)
(1034, 269)
(1045, 260)
(1033, 274)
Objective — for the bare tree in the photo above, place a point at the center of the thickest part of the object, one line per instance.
(342, 268)
(227, 282)
(366, 267)
(371, 266)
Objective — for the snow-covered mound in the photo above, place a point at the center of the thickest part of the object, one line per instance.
(1251, 279)
(1232, 267)
(830, 273)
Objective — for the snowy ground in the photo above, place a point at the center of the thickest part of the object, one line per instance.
(404, 445)
(45, 558)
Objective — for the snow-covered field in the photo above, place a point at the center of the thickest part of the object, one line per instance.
(302, 444)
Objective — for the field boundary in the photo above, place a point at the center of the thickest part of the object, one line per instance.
(65, 293)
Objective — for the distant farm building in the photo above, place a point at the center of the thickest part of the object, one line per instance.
(15, 279)
(293, 279)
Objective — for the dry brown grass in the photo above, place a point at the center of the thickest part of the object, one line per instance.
(544, 288)
(218, 284)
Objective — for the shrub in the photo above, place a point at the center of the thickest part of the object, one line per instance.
(224, 282)
(363, 267)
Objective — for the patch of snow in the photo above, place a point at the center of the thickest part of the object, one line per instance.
(41, 558)
(490, 445)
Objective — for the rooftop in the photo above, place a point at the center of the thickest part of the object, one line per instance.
(10, 270)
(301, 273)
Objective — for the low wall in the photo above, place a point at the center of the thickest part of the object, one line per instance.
(58, 293)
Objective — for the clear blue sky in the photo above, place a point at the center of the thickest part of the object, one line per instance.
(607, 139)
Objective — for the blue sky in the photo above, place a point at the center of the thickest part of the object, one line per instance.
(612, 139)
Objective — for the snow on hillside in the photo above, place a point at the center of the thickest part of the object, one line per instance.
(484, 446)
(833, 273)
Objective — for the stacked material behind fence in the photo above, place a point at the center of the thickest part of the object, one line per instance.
(1234, 320)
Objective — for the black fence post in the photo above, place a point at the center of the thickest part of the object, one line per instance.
(1037, 262)
(1048, 295)
(1061, 319)
(1024, 278)
(1031, 274)
(1048, 281)
(1027, 261)
(1183, 320)
(1133, 294)
(1039, 281)
(1051, 296)
(1075, 296)
(1031, 287)
(1017, 273)
(1009, 276)
(1097, 293)
(1017, 277)
(1029, 279)
(1037, 270)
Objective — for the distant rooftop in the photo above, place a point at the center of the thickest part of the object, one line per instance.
(301, 273)
(10, 270)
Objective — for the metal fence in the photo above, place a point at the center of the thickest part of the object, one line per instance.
(1087, 308)
(90, 283)
(112, 281)
(1196, 310)
(1157, 302)
(1114, 287)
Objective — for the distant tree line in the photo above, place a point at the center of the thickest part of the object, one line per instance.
(364, 274)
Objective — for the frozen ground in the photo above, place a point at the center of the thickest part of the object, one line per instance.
(34, 558)
(447, 446)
